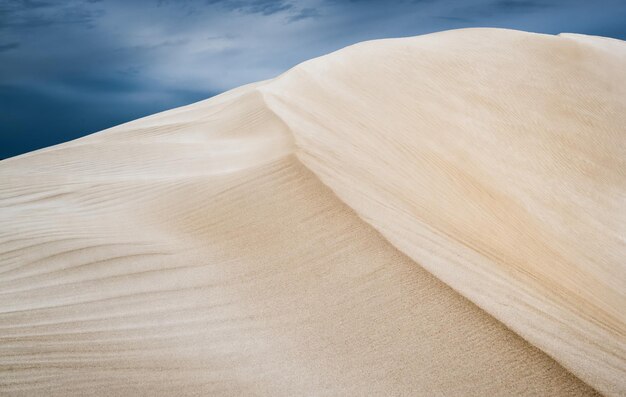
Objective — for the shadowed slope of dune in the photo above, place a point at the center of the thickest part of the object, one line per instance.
(201, 250)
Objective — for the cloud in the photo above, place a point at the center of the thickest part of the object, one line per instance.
(471, 11)
(37, 14)
(263, 7)
(454, 19)
(304, 13)
(9, 46)
(519, 5)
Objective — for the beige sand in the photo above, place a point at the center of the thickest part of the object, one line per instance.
(232, 247)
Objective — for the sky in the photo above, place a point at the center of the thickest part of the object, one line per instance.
(69, 68)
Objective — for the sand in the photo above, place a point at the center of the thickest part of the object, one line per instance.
(437, 215)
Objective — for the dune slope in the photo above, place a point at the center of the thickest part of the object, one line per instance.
(282, 238)
(497, 160)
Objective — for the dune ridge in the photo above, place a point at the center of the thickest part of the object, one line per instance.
(420, 175)
(226, 246)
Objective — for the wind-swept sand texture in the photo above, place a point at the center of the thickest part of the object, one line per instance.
(279, 239)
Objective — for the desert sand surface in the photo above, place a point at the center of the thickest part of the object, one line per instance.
(437, 215)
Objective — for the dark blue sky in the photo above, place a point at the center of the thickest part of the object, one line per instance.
(72, 67)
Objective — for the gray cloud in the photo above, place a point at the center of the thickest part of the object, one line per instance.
(519, 5)
(264, 7)
(36, 14)
(304, 13)
(494, 10)
(454, 19)
(9, 46)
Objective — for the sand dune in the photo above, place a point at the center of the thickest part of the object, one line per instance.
(355, 226)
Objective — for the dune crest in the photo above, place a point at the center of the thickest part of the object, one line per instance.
(496, 160)
(271, 240)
